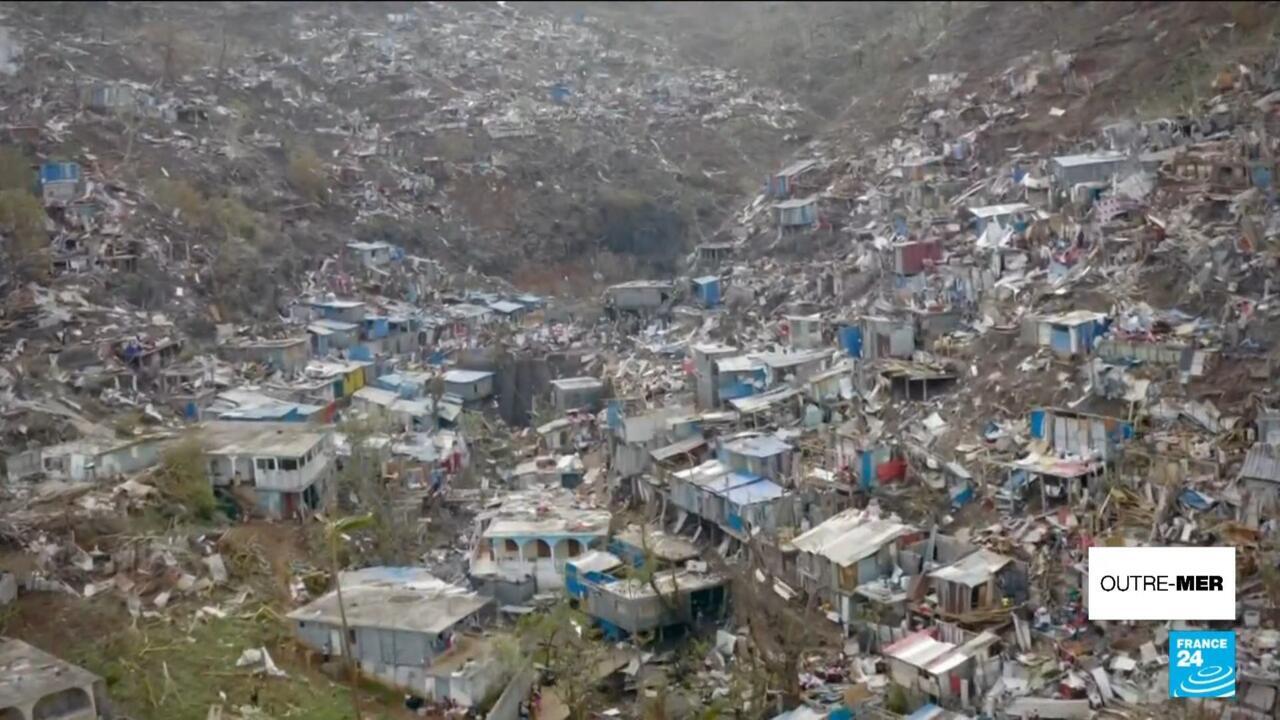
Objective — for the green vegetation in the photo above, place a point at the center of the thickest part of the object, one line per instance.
(22, 220)
(631, 223)
(16, 171)
(562, 641)
(306, 174)
(183, 480)
(177, 670)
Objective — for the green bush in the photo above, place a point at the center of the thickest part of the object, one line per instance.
(16, 171)
(183, 479)
(306, 174)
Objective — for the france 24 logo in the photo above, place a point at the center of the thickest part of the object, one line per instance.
(1202, 664)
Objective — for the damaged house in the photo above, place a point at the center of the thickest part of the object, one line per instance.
(845, 553)
(408, 629)
(286, 468)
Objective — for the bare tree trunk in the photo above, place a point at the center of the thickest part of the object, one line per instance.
(348, 661)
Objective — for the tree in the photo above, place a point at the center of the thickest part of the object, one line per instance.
(560, 640)
(15, 170)
(334, 530)
(306, 174)
(396, 540)
(183, 479)
(22, 218)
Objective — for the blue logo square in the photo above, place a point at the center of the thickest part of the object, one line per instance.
(1202, 664)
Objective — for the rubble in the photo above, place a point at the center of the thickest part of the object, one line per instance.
(848, 457)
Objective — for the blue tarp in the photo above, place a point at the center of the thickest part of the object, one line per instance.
(59, 171)
(851, 340)
(1037, 424)
(1195, 500)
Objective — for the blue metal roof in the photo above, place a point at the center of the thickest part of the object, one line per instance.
(758, 491)
(760, 446)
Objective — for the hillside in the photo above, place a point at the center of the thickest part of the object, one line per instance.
(253, 139)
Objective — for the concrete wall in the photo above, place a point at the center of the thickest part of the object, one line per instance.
(507, 706)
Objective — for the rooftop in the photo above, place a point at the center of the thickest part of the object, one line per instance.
(797, 167)
(395, 598)
(759, 446)
(671, 548)
(595, 561)
(1075, 317)
(761, 490)
(990, 211)
(849, 536)
(668, 583)
(677, 448)
(28, 673)
(1261, 463)
(466, 376)
(1088, 158)
(641, 284)
(780, 360)
(545, 512)
(796, 203)
(338, 304)
(973, 569)
(331, 326)
(290, 440)
(272, 343)
(738, 363)
(506, 307)
(578, 383)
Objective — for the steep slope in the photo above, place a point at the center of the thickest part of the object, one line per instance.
(241, 143)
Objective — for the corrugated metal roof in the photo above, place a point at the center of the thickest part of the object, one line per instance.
(758, 446)
(973, 569)
(1262, 463)
(678, 448)
(466, 376)
(849, 537)
(755, 492)
(797, 167)
(990, 211)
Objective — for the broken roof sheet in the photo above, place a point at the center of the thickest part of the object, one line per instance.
(796, 203)
(644, 284)
(973, 569)
(506, 307)
(667, 582)
(394, 598)
(989, 211)
(1107, 156)
(759, 403)
(595, 561)
(1074, 317)
(797, 167)
(338, 304)
(680, 447)
(671, 548)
